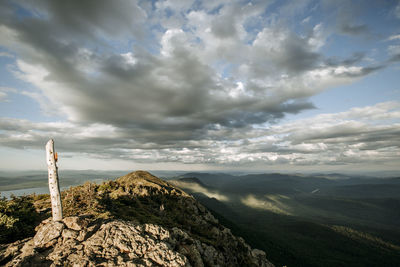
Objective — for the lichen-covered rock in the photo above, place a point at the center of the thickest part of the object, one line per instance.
(115, 243)
(47, 234)
(122, 243)
(75, 223)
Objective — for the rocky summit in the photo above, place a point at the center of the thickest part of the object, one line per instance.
(136, 220)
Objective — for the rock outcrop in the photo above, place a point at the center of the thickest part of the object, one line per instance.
(195, 239)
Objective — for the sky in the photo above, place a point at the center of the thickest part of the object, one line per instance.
(201, 85)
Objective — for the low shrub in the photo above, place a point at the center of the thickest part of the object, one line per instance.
(18, 218)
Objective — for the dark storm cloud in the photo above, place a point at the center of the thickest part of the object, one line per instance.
(224, 27)
(297, 57)
(91, 17)
(282, 51)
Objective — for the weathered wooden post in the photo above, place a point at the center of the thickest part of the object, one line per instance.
(55, 196)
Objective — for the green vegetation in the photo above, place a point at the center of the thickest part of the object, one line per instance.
(293, 241)
(364, 237)
(18, 218)
(140, 198)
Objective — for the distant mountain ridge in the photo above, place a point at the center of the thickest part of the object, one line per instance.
(192, 180)
(289, 183)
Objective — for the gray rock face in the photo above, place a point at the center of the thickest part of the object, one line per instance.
(122, 243)
(47, 234)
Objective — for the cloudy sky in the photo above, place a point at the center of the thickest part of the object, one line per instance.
(197, 85)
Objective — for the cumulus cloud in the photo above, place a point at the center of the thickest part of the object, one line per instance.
(179, 81)
(394, 37)
(90, 18)
(284, 50)
(154, 92)
(368, 134)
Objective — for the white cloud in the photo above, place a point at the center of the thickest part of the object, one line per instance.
(394, 37)
(48, 97)
(318, 39)
(3, 96)
(176, 5)
(171, 40)
(394, 50)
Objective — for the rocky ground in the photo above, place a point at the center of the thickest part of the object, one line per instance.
(178, 232)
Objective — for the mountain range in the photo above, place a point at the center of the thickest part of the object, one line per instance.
(307, 220)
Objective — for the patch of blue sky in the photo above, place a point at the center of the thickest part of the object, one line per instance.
(343, 47)
(169, 13)
(227, 69)
(215, 10)
(301, 17)
(22, 106)
(253, 26)
(114, 46)
(23, 13)
(6, 64)
(19, 105)
(152, 44)
(273, 7)
(382, 86)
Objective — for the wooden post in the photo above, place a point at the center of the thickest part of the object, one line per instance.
(55, 196)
